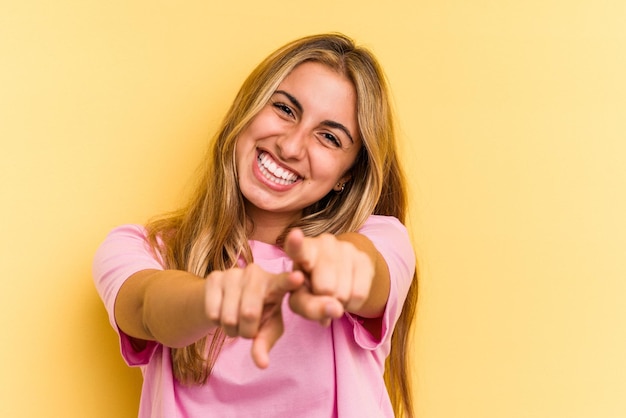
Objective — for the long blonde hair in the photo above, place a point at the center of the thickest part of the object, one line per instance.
(210, 233)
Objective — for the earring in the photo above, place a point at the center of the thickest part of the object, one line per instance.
(342, 187)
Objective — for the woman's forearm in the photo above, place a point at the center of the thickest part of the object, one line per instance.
(165, 306)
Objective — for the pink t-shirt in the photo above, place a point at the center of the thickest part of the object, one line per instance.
(314, 371)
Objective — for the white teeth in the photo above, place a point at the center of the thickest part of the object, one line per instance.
(273, 172)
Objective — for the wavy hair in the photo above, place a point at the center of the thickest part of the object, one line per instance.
(210, 232)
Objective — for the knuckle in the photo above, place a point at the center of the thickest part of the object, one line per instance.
(248, 314)
(323, 288)
(345, 299)
(358, 299)
(345, 245)
(213, 315)
(251, 270)
(214, 278)
(327, 238)
(229, 321)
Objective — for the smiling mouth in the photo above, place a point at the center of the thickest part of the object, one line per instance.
(273, 172)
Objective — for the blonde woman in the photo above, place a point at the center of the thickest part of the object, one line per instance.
(286, 286)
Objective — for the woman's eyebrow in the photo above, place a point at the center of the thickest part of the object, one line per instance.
(329, 123)
(292, 99)
(337, 125)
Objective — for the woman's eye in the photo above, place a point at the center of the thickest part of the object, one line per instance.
(332, 139)
(283, 108)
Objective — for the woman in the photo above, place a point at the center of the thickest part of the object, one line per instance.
(293, 242)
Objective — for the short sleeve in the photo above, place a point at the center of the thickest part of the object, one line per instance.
(124, 252)
(392, 240)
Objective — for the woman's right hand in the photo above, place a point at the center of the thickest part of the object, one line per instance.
(246, 302)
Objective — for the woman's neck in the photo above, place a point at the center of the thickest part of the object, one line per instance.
(267, 226)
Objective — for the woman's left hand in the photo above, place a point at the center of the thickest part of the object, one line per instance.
(332, 267)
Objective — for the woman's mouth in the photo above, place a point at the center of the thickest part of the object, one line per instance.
(273, 172)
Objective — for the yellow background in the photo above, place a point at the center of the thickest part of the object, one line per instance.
(513, 123)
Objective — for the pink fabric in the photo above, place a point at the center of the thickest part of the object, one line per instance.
(313, 372)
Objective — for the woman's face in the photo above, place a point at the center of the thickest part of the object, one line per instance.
(301, 145)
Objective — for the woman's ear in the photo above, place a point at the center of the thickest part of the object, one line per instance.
(341, 184)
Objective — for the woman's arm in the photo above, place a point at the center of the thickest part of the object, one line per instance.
(163, 305)
(177, 308)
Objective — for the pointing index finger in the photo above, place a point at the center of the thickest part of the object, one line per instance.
(297, 249)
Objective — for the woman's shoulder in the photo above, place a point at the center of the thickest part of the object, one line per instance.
(382, 222)
(391, 238)
(123, 241)
(126, 230)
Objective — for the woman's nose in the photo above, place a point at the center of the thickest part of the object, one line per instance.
(292, 144)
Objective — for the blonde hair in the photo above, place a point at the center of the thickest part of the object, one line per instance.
(210, 232)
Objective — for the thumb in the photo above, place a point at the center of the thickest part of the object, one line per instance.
(315, 307)
(285, 282)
